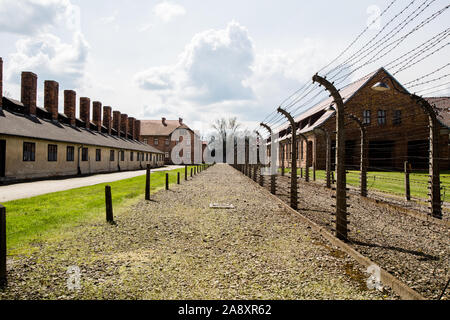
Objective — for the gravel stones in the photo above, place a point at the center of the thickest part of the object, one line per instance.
(176, 247)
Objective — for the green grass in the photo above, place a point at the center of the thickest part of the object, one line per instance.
(30, 221)
(393, 182)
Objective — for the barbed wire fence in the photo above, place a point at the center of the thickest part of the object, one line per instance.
(413, 41)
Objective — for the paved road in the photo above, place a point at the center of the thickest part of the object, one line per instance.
(32, 189)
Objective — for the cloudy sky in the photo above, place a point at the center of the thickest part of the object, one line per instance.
(195, 59)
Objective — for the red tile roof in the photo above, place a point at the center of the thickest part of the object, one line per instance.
(156, 127)
(442, 107)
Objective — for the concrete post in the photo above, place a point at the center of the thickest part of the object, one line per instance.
(327, 156)
(363, 156)
(341, 183)
(307, 157)
(273, 184)
(407, 184)
(294, 190)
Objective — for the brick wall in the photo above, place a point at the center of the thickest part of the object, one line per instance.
(413, 128)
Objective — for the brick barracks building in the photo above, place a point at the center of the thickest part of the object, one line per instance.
(41, 142)
(158, 134)
(397, 128)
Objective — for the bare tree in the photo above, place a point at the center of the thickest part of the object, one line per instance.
(226, 128)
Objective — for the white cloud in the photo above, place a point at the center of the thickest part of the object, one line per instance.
(212, 68)
(145, 27)
(167, 11)
(110, 19)
(157, 78)
(278, 74)
(29, 17)
(50, 58)
(220, 74)
(40, 48)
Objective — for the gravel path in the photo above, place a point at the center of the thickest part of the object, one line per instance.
(176, 247)
(415, 251)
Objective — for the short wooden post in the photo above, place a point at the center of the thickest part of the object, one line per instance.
(185, 173)
(147, 183)
(407, 182)
(255, 171)
(3, 277)
(191, 172)
(167, 181)
(273, 185)
(178, 178)
(109, 207)
(301, 172)
(314, 172)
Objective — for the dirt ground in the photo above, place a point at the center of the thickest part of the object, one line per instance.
(177, 247)
(416, 252)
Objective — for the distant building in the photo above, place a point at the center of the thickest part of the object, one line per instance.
(397, 128)
(158, 134)
(41, 142)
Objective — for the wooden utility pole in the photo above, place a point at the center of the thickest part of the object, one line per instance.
(341, 182)
(294, 188)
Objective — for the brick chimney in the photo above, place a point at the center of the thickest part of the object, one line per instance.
(107, 118)
(70, 100)
(1, 83)
(137, 129)
(164, 122)
(116, 122)
(131, 128)
(97, 114)
(85, 111)
(124, 124)
(51, 96)
(180, 120)
(29, 92)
